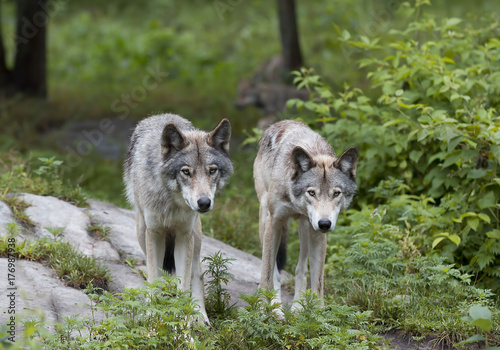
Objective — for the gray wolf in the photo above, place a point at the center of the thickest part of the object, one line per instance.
(266, 90)
(270, 99)
(172, 172)
(297, 175)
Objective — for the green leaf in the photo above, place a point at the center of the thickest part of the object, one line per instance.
(483, 323)
(473, 223)
(415, 155)
(495, 150)
(403, 105)
(484, 217)
(477, 173)
(422, 134)
(473, 339)
(393, 122)
(452, 158)
(451, 22)
(470, 213)
(436, 241)
(478, 311)
(455, 239)
(488, 201)
(493, 234)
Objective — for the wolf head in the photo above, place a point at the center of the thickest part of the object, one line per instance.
(247, 94)
(196, 163)
(323, 185)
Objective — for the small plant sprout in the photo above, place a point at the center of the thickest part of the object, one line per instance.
(98, 229)
(56, 232)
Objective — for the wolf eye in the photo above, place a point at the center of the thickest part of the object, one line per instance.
(212, 171)
(186, 172)
(311, 193)
(336, 194)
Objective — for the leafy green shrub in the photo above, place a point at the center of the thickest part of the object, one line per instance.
(380, 269)
(157, 316)
(218, 298)
(435, 125)
(313, 327)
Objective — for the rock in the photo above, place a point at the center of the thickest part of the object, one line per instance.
(121, 222)
(38, 288)
(122, 276)
(6, 217)
(54, 213)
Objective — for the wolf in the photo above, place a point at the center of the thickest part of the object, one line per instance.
(172, 172)
(297, 175)
(270, 99)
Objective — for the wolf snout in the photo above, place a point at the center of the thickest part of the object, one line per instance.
(324, 224)
(204, 204)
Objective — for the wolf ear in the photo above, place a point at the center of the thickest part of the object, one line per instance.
(301, 160)
(171, 140)
(348, 162)
(220, 136)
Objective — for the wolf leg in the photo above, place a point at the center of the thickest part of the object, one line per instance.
(155, 251)
(197, 276)
(317, 255)
(263, 214)
(270, 275)
(183, 256)
(141, 229)
(301, 270)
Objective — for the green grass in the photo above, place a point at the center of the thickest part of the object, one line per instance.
(98, 229)
(75, 269)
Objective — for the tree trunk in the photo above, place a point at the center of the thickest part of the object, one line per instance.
(4, 73)
(292, 57)
(29, 75)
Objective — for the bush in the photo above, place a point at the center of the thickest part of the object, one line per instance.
(435, 126)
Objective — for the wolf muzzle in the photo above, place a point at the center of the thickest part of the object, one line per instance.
(204, 204)
(324, 224)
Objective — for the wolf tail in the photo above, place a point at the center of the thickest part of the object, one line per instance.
(281, 256)
(168, 259)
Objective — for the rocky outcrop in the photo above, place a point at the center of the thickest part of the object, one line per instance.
(38, 287)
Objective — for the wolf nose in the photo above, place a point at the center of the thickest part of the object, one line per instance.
(204, 203)
(324, 224)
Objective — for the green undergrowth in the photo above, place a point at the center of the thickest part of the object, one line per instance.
(161, 316)
(43, 176)
(97, 229)
(425, 298)
(71, 266)
(382, 270)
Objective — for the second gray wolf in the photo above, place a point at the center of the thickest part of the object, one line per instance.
(297, 175)
(266, 90)
(172, 172)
